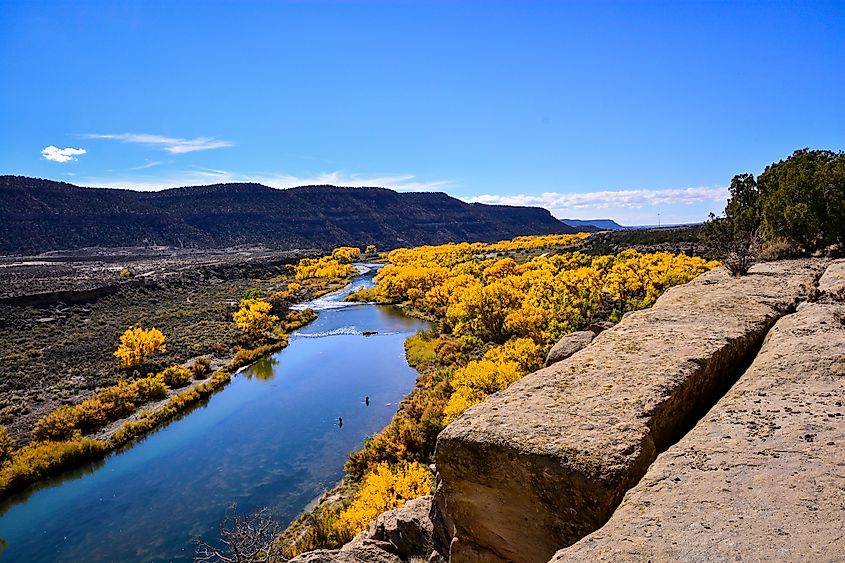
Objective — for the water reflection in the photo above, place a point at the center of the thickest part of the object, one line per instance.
(263, 369)
(70, 475)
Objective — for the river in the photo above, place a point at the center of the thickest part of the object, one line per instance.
(270, 438)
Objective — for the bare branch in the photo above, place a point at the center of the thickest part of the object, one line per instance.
(244, 538)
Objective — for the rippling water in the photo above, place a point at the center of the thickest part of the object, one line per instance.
(270, 438)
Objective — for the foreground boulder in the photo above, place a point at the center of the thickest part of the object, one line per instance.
(544, 463)
(575, 341)
(762, 476)
(398, 535)
(568, 345)
(832, 283)
(407, 528)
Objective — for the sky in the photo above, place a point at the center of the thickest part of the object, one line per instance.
(637, 111)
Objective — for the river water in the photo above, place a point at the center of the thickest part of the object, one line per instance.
(270, 438)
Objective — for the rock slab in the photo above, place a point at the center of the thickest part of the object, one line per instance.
(544, 463)
(762, 476)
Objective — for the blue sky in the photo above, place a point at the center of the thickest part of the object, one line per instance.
(595, 109)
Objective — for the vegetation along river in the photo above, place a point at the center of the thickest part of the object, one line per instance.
(270, 438)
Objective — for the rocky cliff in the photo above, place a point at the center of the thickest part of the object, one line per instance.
(707, 428)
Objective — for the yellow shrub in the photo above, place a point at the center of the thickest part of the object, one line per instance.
(57, 425)
(149, 388)
(395, 281)
(521, 351)
(371, 249)
(635, 281)
(137, 345)
(200, 368)
(176, 376)
(476, 381)
(325, 268)
(94, 413)
(6, 444)
(297, 319)
(41, 459)
(500, 269)
(110, 404)
(384, 489)
(482, 310)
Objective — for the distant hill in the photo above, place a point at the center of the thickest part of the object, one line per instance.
(39, 215)
(600, 224)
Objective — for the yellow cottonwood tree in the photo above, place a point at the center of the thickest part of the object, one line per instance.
(346, 254)
(254, 317)
(137, 345)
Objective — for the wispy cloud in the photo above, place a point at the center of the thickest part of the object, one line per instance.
(173, 145)
(61, 155)
(559, 203)
(198, 176)
(148, 164)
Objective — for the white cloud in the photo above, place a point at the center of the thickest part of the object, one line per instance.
(629, 207)
(172, 145)
(199, 176)
(61, 155)
(622, 199)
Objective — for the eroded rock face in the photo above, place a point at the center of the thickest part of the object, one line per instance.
(761, 477)
(544, 463)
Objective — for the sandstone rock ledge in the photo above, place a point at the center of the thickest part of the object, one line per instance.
(544, 463)
(762, 476)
